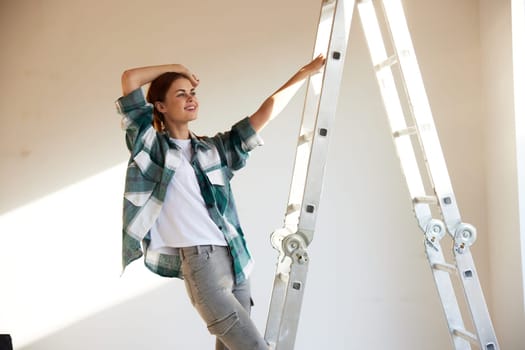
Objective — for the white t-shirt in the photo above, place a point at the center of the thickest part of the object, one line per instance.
(184, 220)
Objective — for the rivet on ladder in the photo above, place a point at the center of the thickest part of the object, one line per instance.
(336, 55)
(323, 131)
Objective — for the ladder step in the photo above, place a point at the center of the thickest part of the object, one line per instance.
(389, 62)
(412, 130)
(425, 200)
(445, 267)
(292, 208)
(465, 335)
(305, 138)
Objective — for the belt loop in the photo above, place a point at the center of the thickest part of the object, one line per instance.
(181, 253)
(198, 249)
(213, 247)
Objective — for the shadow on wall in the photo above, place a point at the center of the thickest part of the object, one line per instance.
(139, 323)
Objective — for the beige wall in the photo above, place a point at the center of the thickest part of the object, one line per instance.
(369, 285)
(506, 269)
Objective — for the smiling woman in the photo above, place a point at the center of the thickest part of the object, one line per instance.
(178, 200)
(174, 98)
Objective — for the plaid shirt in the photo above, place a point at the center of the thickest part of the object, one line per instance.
(152, 164)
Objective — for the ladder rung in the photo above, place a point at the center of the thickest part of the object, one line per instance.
(408, 131)
(306, 137)
(292, 208)
(465, 335)
(389, 62)
(445, 267)
(426, 200)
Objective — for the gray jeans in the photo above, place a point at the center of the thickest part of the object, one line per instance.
(223, 304)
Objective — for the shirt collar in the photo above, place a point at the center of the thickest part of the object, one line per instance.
(196, 141)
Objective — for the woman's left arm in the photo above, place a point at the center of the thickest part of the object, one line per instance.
(274, 104)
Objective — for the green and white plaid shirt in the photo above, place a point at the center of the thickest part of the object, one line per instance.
(153, 162)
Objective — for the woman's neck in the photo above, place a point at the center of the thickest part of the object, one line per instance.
(180, 132)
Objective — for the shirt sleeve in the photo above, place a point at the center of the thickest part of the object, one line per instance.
(137, 115)
(237, 143)
(248, 136)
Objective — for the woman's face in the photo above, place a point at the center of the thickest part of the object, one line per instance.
(180, 105)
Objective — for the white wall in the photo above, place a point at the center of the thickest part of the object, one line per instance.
(518, 66)
(506, 269)
(369, 284)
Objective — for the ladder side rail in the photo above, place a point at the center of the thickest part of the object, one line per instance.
(309, 114)
(420, 106)
(325, 117)
(291, 308)
(292, 266)
(400, 131)
(476, 300)
(404, 147)
(463, 234)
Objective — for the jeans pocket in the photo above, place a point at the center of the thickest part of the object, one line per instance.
(197, 262)
(222, 326)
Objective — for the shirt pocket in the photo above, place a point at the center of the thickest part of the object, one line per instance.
(138, 187)
(149, 169)
(219, 181)
(216, 177)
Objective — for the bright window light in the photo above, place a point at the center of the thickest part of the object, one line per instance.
(392, 104)
(60, 258)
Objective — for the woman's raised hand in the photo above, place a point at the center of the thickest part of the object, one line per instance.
(315, 65)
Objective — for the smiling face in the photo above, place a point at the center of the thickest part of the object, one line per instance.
(180, 105)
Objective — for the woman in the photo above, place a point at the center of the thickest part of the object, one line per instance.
(178, 202)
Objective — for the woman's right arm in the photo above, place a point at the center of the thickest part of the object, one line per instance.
(134, 78)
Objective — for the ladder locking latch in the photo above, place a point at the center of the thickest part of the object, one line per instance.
(464, 237)
(435, 231)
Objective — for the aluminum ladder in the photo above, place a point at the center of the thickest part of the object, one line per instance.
(418, 134)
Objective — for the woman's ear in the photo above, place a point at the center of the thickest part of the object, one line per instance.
(160, 107)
